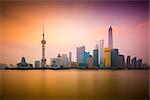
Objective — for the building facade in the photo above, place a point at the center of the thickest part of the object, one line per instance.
(86, 55)
(24, 64)
(114, 58)
(80, 55)
(110, 38)
(95, 57)
(70, 59)
(139, 63)
(121, 61)
(133, 62)
(101, 53)
(90, 62)
(107, 57)
(37, 64)
(128, 61)
(64, 60)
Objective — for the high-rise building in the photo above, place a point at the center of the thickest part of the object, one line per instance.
(128, 61)
(121, 61)
(86, 55)
(139, 63)
(80, 55)
(133, 62)
(56, 62)
(110, 38)
(43, 60)
(107, 57)
(101, 53)
(70, 58)
(90, 61)
(36, 64)
(96, 55)
(114, 58)
(64, 60)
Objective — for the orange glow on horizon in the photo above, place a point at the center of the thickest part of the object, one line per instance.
(67, 27)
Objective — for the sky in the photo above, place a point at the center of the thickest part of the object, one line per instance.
(69, 25)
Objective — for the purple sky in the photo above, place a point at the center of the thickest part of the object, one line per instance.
(72, 24)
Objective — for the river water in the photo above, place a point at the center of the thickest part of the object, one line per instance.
(74, 84)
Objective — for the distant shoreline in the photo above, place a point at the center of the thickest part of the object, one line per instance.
(76, 68)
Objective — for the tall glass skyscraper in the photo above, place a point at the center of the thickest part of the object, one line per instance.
(133, 62)
(86, 55)
(80, 55)
(110, 38)
(128, 61)
(95, 56)
(121, 61)
(114, 58)
(107, 57)
(70, 58)
(101, 53)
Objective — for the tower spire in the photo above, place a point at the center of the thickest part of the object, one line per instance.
(43, 60)
(43, 31)
(110, 38)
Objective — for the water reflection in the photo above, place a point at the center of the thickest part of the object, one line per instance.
(74, 84)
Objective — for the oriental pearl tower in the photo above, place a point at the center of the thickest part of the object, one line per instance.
(43, 60)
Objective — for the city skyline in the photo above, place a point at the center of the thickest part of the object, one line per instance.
(61, 39)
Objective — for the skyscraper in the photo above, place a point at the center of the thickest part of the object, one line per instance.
(133, 62)
(90, 61)
(114, 58)
(121, 61)
(86, 55)
(80, 55)
(110, 38)
(43, 60)
(128, 62)
(139, 63)
(95, 55)
(64, 60)
(107, 57)
(101, 53)
(70, 58)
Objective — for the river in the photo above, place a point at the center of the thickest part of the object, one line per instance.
(74, 84)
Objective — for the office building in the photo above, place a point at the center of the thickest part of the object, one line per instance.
(70, 58)
(114, 58)
(37, 64)
(128, 63)
(90, 62)
(133, 62)
(56, 62)
(86, 55)
(95, 57)
(64, 60)
(107, 57)
(101, 53)
(110, 38)
(80, 55)
(121, 61)
(139, 63)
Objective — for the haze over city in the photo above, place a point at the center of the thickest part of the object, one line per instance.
(69, 25)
